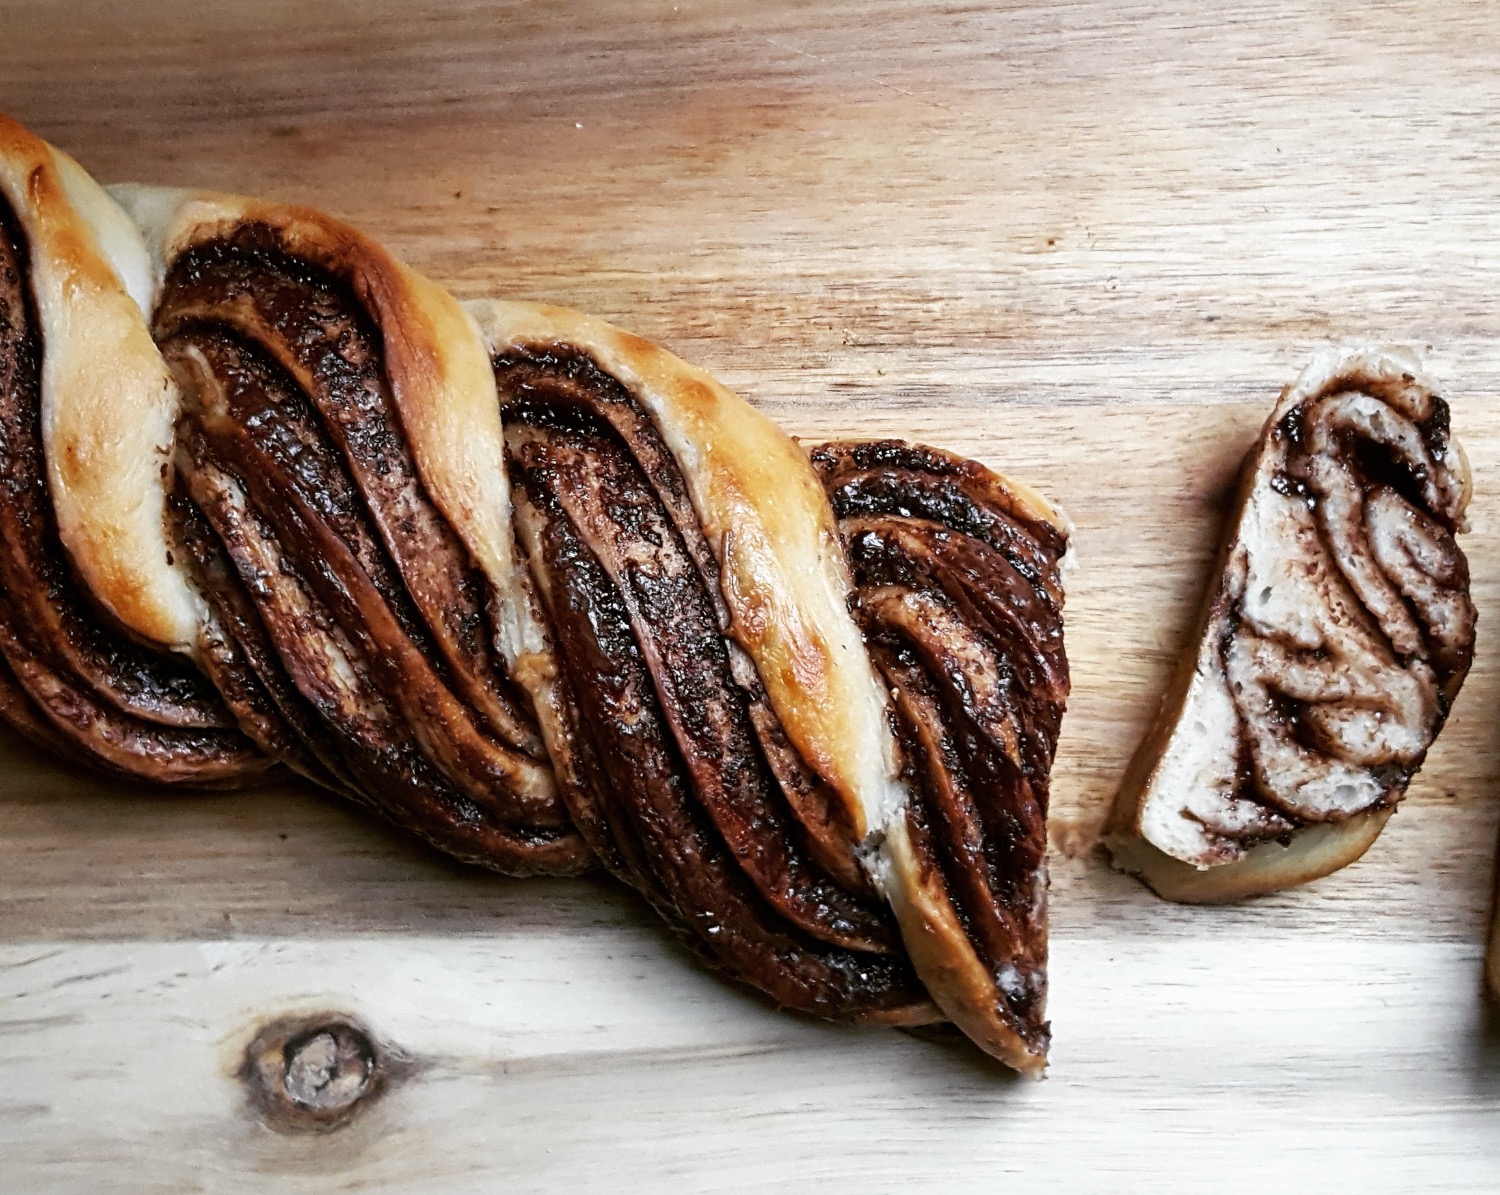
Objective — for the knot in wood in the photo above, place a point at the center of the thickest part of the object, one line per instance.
(313, 1073)
(329, 1068)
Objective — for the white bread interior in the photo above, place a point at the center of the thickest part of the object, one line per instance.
(1182, 780)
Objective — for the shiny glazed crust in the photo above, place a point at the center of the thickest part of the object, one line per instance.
(1314, 849)
(768, 522)
(108, 401)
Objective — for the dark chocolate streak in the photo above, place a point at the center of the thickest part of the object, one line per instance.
(958, 594)
(695, 814)
(358, 642)
(1323, 451)
(69, 678)
(1383, 475)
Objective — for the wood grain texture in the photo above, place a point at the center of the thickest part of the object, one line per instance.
(1086, 243)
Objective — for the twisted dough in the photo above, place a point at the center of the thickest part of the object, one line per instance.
(1334, 642)
(538, 591)
(340, 497)
(757, 795)
(87, 577)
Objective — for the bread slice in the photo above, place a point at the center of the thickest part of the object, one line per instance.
(1333, 640)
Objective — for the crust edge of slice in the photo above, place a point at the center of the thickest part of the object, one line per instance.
(1315, 851)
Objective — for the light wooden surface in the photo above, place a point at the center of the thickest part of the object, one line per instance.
(1084, 242)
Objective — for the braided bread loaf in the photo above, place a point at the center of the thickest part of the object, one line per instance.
(543, 594)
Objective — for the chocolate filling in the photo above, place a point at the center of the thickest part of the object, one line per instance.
(358, 634)
(959, 597)
(70, 677)
(700, 811)
(1366, 502)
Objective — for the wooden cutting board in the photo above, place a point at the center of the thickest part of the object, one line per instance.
(1086, 243)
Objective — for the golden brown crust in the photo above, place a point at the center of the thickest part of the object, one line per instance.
(86, 571)
(1314, 851)
(107, 400)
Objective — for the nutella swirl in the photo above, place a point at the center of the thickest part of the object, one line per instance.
(1347, 626)
(1334, 642)
(960, 598)
(361, 635)
(703, 800)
